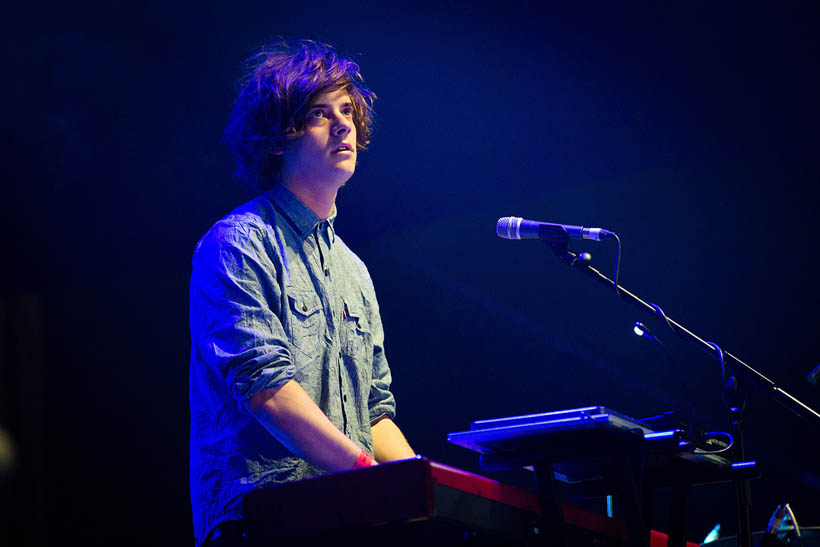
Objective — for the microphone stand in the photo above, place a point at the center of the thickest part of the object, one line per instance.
(735, 396)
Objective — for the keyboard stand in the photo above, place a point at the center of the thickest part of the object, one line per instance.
(596, 457)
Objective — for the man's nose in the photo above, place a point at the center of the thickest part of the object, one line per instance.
(343, 126)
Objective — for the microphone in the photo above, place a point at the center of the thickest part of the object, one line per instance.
(518, 228)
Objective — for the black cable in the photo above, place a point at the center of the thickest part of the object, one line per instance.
(617, 263)
(718, 351)
(724, 387)
(724, 449)
(662, 315)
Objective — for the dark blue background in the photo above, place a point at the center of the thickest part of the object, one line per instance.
(691, 131)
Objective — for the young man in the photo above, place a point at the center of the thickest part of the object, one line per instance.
(288, 374)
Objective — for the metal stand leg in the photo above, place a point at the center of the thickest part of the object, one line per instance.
(677, 518)
(553, 527)
(737, 400)
(631, 489)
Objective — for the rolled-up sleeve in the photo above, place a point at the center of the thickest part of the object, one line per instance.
(236, 310)
(381, 401)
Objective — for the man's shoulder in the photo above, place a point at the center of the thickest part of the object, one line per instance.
(254, 213)
(249, 220)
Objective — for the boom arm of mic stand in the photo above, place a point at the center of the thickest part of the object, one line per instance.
(758, 379)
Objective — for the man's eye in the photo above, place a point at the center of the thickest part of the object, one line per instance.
(347, 111)
(317, 114)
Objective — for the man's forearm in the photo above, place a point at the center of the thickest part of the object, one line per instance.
(389, 443)
(297, 422)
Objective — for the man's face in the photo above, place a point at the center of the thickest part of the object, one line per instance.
(325, 156)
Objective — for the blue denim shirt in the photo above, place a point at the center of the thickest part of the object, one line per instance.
(275, 295)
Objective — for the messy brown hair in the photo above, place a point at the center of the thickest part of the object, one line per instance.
(275, 93)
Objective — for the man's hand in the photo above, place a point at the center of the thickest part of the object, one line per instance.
(388, 442)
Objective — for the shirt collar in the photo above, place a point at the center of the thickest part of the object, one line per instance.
(300, 216)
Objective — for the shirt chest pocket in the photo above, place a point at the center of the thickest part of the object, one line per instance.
(306, 321)
(357, 333)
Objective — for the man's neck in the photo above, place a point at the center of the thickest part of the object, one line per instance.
(319, 199)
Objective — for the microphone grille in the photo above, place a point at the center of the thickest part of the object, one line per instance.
(507, 227)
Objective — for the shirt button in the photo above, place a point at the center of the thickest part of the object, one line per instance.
(344, 397)
(304, 307)
(327, 272)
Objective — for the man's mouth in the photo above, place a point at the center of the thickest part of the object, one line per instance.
(343, 148)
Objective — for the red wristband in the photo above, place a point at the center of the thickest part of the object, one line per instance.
(364, 460)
